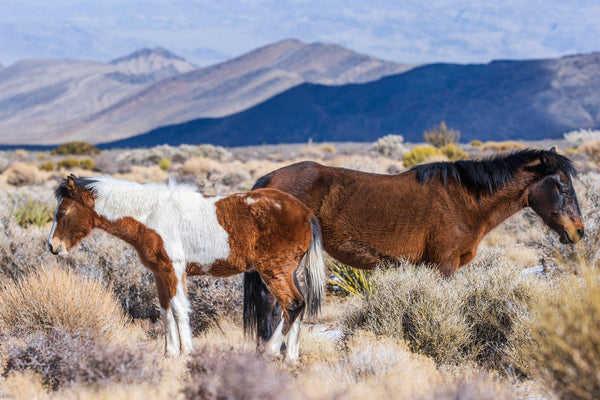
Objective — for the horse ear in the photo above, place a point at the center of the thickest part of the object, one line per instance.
(71, 186)
(553, 149)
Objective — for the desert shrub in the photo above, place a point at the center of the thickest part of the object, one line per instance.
(474, 317)
(440, 136)
(76, 148)
(69, 163)
(565, 350)
(502, 146)
(164, 163)
(48, 166)
(592, 149)
(453, 152)
(418, 154)
(61, 359)
(56, 298)
(476, 143)
(351, 280)
(20, 174)
(87, 163)
(33, 213)
(577, 138)
(21, 153)
(390, 145)
(212, 298)
(41, 157)
(230, 375)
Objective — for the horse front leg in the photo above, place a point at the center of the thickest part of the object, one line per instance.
(181, 310)
(283, 286)
(170, 325)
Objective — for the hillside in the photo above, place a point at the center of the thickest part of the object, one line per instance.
(496, 101)
(52, 101)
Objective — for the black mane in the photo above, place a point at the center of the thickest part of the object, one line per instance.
(495, 172)
(61, 191)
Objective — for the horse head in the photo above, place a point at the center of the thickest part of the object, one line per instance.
(553, 197)
(74, 217)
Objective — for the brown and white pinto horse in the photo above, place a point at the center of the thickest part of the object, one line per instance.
(434, 213)
(177, 231)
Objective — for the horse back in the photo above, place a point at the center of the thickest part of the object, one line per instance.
(264, 223)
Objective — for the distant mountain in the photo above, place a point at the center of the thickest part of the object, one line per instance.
(45, 101)
(63, 100)
(500, 100)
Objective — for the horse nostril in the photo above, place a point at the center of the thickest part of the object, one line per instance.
(50, 248)
(580, 232)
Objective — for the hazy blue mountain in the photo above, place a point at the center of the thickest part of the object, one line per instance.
(496, 101)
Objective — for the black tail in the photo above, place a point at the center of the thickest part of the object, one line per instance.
(261, 310)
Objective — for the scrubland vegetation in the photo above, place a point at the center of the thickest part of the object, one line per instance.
(87, 325)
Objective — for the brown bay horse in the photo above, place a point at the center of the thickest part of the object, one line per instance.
(177, 231)
(434, 213)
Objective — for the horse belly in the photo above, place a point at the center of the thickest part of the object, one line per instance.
(220, 268)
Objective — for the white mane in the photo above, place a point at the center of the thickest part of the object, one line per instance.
(117, 198)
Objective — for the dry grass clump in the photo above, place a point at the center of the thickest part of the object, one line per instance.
(470, 318)
(441, 136)
(592, 149)
(216, 374)
(390, 146)
(142, 174)
(21, 174)
(565, 350)
(502, 146)
(577, 138)
(56, 298)
(61, 359)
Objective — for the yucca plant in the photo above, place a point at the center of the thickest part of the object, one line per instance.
(33, 213)
(351, 280)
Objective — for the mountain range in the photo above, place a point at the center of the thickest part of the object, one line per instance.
(53, 101)
(291, 91)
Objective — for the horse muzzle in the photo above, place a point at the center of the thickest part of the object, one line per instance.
(56, 247)
(571, 237)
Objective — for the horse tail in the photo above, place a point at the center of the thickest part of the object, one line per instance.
(315, 270)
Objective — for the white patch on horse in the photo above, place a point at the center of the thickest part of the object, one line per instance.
(171, 335)
(251, 200)
(53, 224)
(185, 220)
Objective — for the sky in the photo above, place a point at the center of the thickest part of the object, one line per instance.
(209, 31)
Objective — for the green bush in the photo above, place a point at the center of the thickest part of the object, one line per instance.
(351, 280)
(476, 143)
(453, 152)
(33, 213)
(87, 163)
(68, 163)
(440, 136)
(418, 154)
(76, 148)
(164, 164)
(47, 166)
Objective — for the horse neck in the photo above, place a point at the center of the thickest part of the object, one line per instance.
(504, 202)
